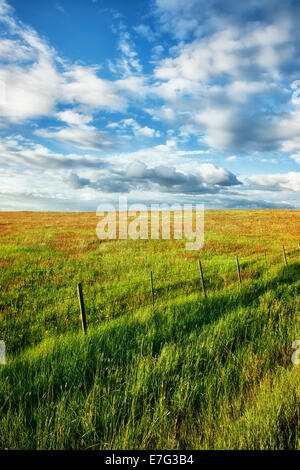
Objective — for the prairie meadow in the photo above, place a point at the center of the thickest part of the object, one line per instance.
(190, 372)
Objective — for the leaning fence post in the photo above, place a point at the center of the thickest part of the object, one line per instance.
(202, 279)
(299, 246)
(152, 288)
(82, 309)
(266, 264)
(238, 269)
(284, 255)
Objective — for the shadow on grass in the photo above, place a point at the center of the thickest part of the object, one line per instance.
(117, 343)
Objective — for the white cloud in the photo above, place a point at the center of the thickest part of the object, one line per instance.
(169, 146)
(162, 155)
(166, 179)
(82, 86)
(289, 181)
(201, 59)
(232, 158)
(71, 117)
(137, 129)
(243, 113)
(240, 91)
(157, 52)
(133, 86)
(31, 90)
(178, 17)
(164, 113)
(86, 137)
(36, 80)
(19, 153)
(128, 63)
(147, 132)
(232, 51)
(296, 157)
(15, 50)
(145, 31)
(5, 9)
(50, 181)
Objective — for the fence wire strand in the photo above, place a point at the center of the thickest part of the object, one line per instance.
(223, 278)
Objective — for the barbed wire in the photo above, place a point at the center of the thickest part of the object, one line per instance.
(105, 279)
(159, 286)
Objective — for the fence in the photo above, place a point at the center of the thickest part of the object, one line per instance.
(104, 297)
(199, 282)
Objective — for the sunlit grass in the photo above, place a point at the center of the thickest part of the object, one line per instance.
(191, 373)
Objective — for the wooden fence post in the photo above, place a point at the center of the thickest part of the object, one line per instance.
(152, 288)
(299, 246)
(202, 279)
(284, 255)
(238, 269)
(82, 309)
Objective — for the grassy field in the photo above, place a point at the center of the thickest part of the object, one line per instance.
(192, 373)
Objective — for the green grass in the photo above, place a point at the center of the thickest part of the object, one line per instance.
(193, 373)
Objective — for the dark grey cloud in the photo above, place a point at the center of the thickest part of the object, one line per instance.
(106, 184)
(160, 178)
(244, 203)
(171, 180)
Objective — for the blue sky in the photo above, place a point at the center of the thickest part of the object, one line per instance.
(164, 101)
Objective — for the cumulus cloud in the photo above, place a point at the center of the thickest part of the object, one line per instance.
(73, 118)
(202, 17)
(36, 79)
(109, 175)
(83, 86)
(227, 83)
(36, 89)
(133, 86)
(207, 179)
(289, 181)
(15, 50)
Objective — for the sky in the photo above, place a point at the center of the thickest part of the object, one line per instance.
(161, 101)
